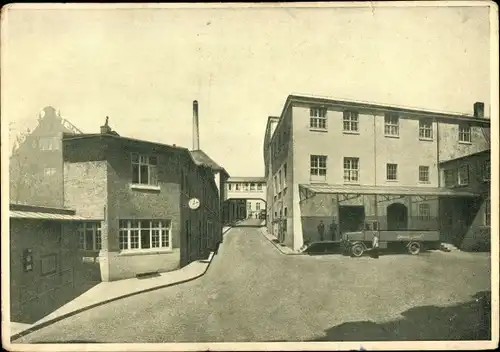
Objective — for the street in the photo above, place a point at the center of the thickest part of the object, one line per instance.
(252, 292)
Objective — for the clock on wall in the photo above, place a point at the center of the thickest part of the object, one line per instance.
(194, 203)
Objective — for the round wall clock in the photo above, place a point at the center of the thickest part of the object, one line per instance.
(194, 203)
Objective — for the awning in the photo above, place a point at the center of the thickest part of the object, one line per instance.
(384, 190)
(15, 214)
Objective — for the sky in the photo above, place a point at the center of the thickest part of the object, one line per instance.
(144, 67)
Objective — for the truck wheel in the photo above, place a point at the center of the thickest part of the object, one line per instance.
(414, 248)
(357, 250)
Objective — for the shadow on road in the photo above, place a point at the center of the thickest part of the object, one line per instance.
(68, 341)
(466, 321)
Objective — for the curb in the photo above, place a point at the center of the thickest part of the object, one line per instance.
(262, 229)
(83, 309)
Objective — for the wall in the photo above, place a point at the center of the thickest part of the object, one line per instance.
(35, 294)
(451, 148)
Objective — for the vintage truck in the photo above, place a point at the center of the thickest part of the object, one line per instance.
(356, 243)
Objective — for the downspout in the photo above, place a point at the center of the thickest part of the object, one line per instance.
(375, 148)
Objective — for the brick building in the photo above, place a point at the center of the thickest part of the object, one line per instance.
(138, 192)
(342, 162)
(36, 166)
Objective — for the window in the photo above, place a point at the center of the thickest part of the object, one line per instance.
(391, 127)
(245, 186)
(257, 206)
(259, 186)
(425, 129)
(463, 175)
(229, 186)
(424, 211)
(487, 212)
(249, 206)
(89, 234)
(486, 170)
(318, 165)
(351, 169)
(144, 169)
(450, 177)
(318, 118)
(392, 172)
(49, 143)
(464, 133)
(285, 210)
(284, 172)
(48, 264)
(423, 173)
(49, 171)
(275, 181)
(351, 121)
(237, 186)
(145, 234)
(280, 180)
(252, 186)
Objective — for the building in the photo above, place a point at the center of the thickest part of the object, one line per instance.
(342, 162)
(35, 166)
(245, 198)
(139, 194)
(465, 222)
(47, 269)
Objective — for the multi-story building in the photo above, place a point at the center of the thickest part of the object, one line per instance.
(341, 162)
(36, 166)
(466, 222)
(245, 198)
(140, 196)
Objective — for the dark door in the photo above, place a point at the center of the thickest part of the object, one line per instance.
(351, 218)
(397, 217)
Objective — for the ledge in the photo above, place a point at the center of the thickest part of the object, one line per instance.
(312, 129)
(391, 136)
(463, 142)
(351, 132)
(138, 252)
(426, 139)
(144, 187)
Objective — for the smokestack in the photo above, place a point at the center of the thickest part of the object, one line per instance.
(196, 130)
(479, 109)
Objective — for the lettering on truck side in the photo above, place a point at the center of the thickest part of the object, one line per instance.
(409, 237)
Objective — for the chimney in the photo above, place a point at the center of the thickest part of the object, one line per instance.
(479, 110)
(196, 130)
(105, 129)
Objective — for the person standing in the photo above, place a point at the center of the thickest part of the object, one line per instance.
(321, 230)
(375, 245)
(333, 230)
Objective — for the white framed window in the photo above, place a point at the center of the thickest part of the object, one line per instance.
(425, 128)
(351, 121)
(424, 211)
(392, 172)
(144, 169)
(464, 133)
(259, 186)
(245, 187)
(463, 175)
(317, 118)
(257, 205)
(49, 143)
(318, 166)
(423, 174)
(145, 234)
(351, 169)
(486, 170)
(236, 186)
(391, 125)
(487, 212)
(249, 206)
(252, 186)
(49, 171)
(89, 234)
(450, 178)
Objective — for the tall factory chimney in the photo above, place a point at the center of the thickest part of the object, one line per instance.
(196, 129)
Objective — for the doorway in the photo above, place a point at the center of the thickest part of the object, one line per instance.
(351, 218)
(397, 217)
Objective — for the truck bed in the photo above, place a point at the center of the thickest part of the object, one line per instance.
(409, 235)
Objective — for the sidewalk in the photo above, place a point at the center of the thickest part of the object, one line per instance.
(106, 292)
(274, 240)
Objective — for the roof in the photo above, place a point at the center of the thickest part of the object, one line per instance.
(247, 179)
(409, 191)
(201, 158)
(384, 107)
(482, 152)
(16, 214)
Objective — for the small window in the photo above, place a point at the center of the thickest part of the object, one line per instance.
(237, 186)
(425, 129)
(318, 165)
(89, 236)
(49, 171)
(144, 169)
(391, 126)
(463, 175)
(257, 206)
(464, 133)
(367, 226)
(351, 169)
(423, 174)
(252, 186)
(351, 121)
(424, 211)
(392, 172)
(317, 118)
(259, 186)
(229, 186)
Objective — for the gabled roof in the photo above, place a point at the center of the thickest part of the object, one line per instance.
(201, 158)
